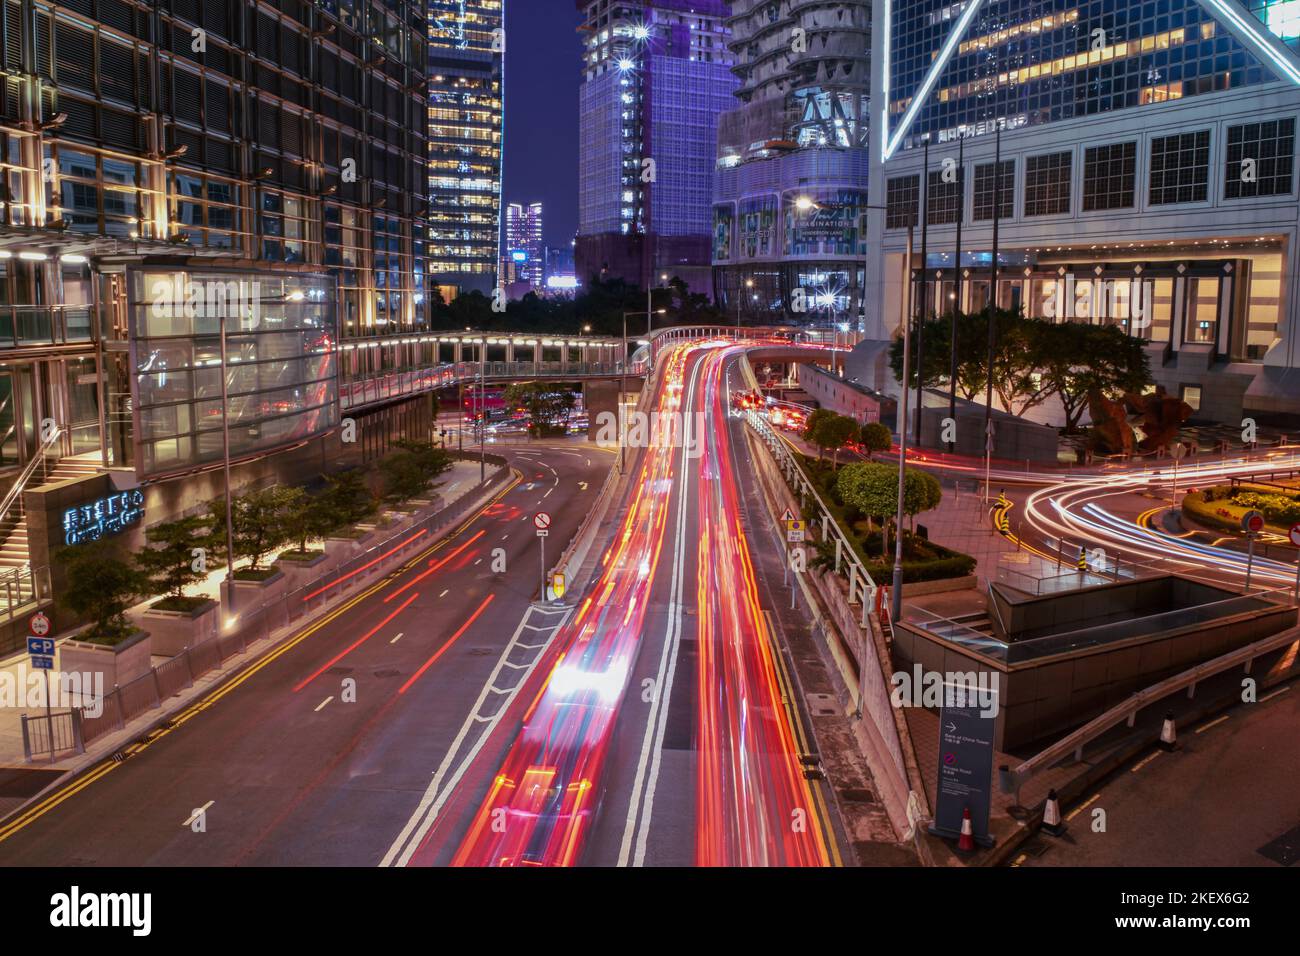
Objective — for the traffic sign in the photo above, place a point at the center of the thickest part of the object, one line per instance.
(42, 662)
(542, 532)
(1252, 522)
(557, 584)
(794, 531)
(788, 516)
(40, 645)
(1179, 451)
(1294, 535)
(40, 624)
(541, 521)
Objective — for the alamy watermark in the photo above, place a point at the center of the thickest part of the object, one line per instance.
(205, 298)
(22, 688)
(655, 430)
(931, 689)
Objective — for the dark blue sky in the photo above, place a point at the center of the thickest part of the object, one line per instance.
(541, 140)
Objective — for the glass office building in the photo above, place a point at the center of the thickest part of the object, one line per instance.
(466, 138)
(1145, 177)
(656, 76)
(789, 196)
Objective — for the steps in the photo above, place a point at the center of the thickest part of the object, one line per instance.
(13, 543)
(66, 469)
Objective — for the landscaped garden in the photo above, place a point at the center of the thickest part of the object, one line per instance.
(1222, 506)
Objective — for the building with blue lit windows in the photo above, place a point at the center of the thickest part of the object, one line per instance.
(1146, 178)
(655, 79)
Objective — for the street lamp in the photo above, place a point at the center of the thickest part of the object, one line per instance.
(749, 284)
(225, 453)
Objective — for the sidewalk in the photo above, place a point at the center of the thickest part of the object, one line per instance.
(14, 790)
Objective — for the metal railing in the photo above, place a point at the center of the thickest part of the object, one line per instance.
(260, 620)
(1010, 780)
(22, 325)
(397, 384)
(37, 460)
(64, 725)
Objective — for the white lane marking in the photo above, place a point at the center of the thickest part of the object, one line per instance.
(323, 703)
(582, 486)
(478, 562)
(524, 518)
(548, 493)
(444, 593)
(1281, 690)
(657, 720)
(504, 536)
(397, 638)
(195, 815)
(433, 800)
(1214, 723)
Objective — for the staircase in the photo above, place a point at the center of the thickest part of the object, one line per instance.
(68, 468)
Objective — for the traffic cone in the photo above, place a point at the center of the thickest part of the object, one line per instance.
(966, 842)
(1052, 815)
(1169, 733)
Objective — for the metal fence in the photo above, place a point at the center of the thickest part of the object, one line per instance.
(411, 381)
(79, 726)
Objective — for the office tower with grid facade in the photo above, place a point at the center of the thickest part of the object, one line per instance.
(524, 257)
(466, 138)
(1146, 179)
(174, 172)
(655, 78)
(788, 217)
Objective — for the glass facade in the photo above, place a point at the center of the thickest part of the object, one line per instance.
(281, 363)
(466, 138)
(1028, 63)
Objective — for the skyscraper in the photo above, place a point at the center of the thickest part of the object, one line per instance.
(788, 217)
(655, 77)
(523, 259)
(1145, 179)
(466, 138)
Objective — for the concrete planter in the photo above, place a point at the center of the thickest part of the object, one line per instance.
(117, 665)
(173, 631)
(919, 588)
(258, 600)
(347, 546)
(300, 573)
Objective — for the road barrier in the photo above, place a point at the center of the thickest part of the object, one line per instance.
(75, 728)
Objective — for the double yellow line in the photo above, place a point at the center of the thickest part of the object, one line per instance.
(36, 811)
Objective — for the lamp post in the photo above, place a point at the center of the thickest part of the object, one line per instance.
(225, 453)
(896, 584)
(482, 403)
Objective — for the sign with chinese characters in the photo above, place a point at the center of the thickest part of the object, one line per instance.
(90, 522)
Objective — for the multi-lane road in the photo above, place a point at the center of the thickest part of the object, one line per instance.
(444, 716)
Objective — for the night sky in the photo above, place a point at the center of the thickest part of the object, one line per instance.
(543, 57)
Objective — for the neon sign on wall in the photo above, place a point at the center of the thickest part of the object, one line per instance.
(92, 521)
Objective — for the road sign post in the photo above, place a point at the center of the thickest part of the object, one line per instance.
(542, 522)
(1179, 450)
(41, 649)
(1294, 535)
(1252, 522)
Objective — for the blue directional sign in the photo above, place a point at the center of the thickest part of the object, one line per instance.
(43, 646)
(42, 662)
(966, 729)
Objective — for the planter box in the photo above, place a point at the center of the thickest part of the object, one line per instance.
(173, 631)
(918, 588)
(300, 573)
(263, 600)
(346, 547)
(117, 665)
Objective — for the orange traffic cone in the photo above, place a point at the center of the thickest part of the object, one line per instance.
(1052, 815)
(966, 842)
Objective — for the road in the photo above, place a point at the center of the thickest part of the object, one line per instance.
(288, 766)
(660, 730)
(1226, 797)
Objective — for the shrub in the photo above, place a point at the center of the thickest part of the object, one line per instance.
(101, 586)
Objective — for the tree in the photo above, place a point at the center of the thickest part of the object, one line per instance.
(169, 567)
(832, 432)
(812, 423)
(1080, 357)
(409, 471)
(346, 500)
(306, 518)
(548, 407)
(921, 492)
(259, 522)
(875, 437)
(872, 488)
(100, 586)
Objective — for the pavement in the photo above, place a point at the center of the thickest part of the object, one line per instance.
(319, 751)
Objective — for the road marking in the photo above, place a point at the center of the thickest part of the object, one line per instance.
(398, 637)
(197, 813)
(504, 536)
(548, 493)
(329, 698)
(450, 641)
(436, 795)
(444, 593)
(478, 562)
(1083, 806)
(355, 644)
(582, 485)
(1145, 760)
(1281, 690)
(1204, 727)
(657, 719)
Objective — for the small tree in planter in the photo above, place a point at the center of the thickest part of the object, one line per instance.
(101, 586)
(305, 518)
(171, 566)
(346, 501)
(409, 471)
(875, 437)
(259, 526)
